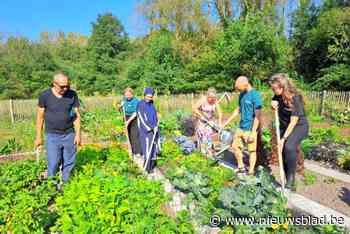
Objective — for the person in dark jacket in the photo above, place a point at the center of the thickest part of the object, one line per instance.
(294, 126)
(129, 105)
(148, 129)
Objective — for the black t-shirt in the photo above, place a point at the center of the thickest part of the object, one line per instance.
(285, 111)
(59, 113)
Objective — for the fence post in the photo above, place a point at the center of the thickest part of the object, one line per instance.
(323, 97)
(11, 112)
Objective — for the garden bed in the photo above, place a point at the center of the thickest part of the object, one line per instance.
(322, 189)
(106, 193)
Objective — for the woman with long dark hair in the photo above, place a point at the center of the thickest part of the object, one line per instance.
(294, 126)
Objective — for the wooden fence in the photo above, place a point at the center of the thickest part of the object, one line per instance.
(317, 102)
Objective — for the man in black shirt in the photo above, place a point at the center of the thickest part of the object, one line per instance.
(58, 107)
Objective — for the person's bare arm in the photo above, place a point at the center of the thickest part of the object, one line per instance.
(257, 120)
(132, 117)
(39, 126)
(234, 115)
(218, 109)
(293, 121)
(256, 123)
(196, 109)
(77, 127)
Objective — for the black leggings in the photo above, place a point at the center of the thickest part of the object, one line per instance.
(290, 149)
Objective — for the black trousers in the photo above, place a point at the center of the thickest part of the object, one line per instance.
(290, 150)
(134, 136)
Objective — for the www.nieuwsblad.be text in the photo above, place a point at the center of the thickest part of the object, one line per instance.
(217, 220)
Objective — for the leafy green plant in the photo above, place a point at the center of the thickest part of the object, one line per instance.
(266, 139)
(25, 198)
(12, 146)
(344, 159)
(110, 196)
(254, 197)
(196, 184)
(309, 178)
(341, 117)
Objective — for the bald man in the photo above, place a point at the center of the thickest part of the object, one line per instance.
(249, 109)
(58, 107)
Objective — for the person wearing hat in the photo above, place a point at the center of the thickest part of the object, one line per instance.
(148, 129)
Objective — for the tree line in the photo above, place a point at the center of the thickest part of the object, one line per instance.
(191, 45)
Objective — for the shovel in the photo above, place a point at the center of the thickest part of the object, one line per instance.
(279, 150)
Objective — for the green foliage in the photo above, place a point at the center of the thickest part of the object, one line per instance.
(11, 146)
(107, 41)
(106, 193)
(254, 197)
(26, 68)
(266, 139)
(112, 197)
(249, 47)
(159, 66)
(317, 136)
(309, 178)
(103, 124)
(25, 197)
(344, 159)
(321, 38)
(341, 117)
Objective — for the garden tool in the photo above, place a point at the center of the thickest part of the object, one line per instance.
(126, 130)
(279, 150)
(225, 137)
(148, 157)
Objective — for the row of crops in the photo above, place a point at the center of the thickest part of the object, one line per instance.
(107, 193)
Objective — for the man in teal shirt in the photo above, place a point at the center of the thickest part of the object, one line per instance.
(250, 104)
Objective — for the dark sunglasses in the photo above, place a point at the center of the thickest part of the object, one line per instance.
(63, 86)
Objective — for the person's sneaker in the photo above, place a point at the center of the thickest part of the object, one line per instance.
(251, 173)
(291, 187)
(241, 171)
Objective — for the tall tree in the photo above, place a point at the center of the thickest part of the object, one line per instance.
(179, 16)
(107, 41)
(224, 10)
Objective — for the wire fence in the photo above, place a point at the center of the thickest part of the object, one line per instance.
(317, 102)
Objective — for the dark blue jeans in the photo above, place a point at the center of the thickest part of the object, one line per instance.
(60, 149)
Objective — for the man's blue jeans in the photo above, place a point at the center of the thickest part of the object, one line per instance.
(60, 149)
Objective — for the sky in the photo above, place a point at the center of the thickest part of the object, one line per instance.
(30, 17)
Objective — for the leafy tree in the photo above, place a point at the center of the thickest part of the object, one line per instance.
(107, 41)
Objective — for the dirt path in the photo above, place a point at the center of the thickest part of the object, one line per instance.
(324, 190)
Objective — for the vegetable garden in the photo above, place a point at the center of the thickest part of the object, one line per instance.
(108, 193)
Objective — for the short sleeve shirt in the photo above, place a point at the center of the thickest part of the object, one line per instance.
(285, 112)
(249, 102)
(59, 112)
(130, 105)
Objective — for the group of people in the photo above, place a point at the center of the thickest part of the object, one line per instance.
(58, 107)
(287, 101)
(141, 121)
